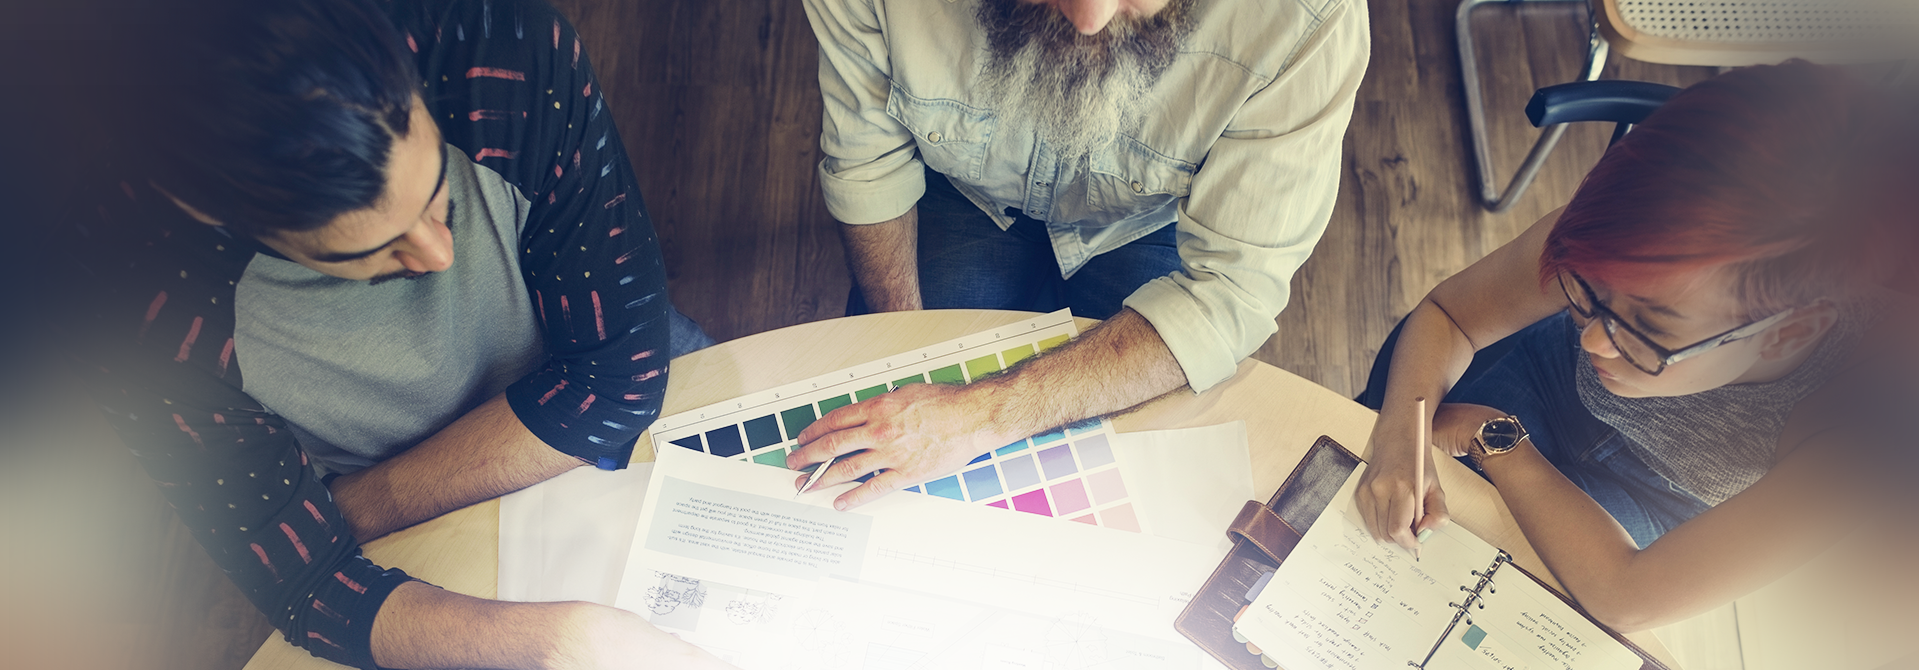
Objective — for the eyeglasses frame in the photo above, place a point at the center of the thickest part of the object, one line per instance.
(1667, 357)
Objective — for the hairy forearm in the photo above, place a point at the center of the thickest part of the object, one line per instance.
(485, 454)
(885, 261)
(421, 626)
(1115, 366)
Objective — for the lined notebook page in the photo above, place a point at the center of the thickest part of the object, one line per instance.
(1523, 626)
(1344, 602)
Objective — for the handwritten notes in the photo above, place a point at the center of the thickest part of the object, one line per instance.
(1344, 602)
(757, 532)
(1341, 601)
(1525, 627)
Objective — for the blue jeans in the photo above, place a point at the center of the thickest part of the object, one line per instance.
(967, 262)
(1530, 375)
(684, 336)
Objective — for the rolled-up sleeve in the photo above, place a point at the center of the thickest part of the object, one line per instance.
(1259, 204)
(872, 171)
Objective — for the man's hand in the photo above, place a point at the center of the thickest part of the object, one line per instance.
(420, 626)
(907, 436)
(596, 637)
(924, 430)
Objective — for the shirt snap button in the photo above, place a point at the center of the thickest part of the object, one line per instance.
(933, 137)
(1138, 188)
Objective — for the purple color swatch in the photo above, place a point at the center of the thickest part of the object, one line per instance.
(1020, 473)
(1057, 461)
(1094, 452)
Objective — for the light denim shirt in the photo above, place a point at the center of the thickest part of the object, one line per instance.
(1238, 145)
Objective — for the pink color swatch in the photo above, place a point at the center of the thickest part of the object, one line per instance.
(1034, 502)
(997, 503)
(1121, 517)
(1107, 486)
(1070, 496)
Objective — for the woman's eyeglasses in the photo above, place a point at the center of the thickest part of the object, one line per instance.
(1640, 350)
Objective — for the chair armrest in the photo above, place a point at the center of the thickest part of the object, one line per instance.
(1612, 100)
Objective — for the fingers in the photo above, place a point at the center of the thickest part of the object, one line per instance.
(1365, 504)
(1437, 516)
(850, 416)
(1400, 526)
(881, 484)
(837, 443)
(850, 467)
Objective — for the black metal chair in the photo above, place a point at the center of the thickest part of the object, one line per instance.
(1624, 103)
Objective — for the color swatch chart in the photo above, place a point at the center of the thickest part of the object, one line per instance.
(1069, 473)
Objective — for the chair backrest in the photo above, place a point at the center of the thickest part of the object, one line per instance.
(1615, 100)
(1753, 32)
(1620, 101)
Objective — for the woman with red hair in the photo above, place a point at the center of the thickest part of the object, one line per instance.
(1666, 357)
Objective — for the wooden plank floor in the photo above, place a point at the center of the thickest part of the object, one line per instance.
(719, 107)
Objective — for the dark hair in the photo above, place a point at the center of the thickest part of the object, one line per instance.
(1793, 176)
(269, 115)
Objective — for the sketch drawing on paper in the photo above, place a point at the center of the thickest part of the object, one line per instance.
(673, 592)
(824, 639)
(746, 609)
(1075, 641)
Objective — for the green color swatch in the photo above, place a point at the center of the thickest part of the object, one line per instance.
(762, 432)
(982, 366)
(866, 394)
(1051, 342)
(947, 375)
(915, 379)
(775, 458)
(1017, 354)
(828, 405)
(1474, 635)
(797, 419)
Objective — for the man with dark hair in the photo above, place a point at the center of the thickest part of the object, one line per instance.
(240, 322)
(1165, 165)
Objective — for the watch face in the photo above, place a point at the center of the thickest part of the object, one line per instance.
(1500, 434)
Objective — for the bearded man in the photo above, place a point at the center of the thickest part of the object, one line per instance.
(1165, 165)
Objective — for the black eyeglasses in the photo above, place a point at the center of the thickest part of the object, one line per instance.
(1637, 348)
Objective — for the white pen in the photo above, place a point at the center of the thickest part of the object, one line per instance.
(815, 478)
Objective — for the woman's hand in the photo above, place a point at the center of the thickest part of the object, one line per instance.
(1396, 500)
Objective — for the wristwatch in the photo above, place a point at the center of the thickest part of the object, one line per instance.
(1496, 436)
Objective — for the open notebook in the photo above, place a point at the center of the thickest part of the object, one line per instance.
(1337, 600)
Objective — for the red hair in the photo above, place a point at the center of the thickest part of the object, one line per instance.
(1783, 173)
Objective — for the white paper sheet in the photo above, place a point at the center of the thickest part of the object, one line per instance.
(566, 538)
(959, 586)
(1191, 482)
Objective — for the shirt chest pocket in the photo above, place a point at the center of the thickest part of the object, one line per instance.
(1128, 176)
(951, 136)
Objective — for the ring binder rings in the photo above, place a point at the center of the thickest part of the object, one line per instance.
(1485, 585)
(1265, 535)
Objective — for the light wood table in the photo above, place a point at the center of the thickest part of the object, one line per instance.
(1284, 414)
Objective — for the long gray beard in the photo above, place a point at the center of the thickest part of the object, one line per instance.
(1077, 92)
